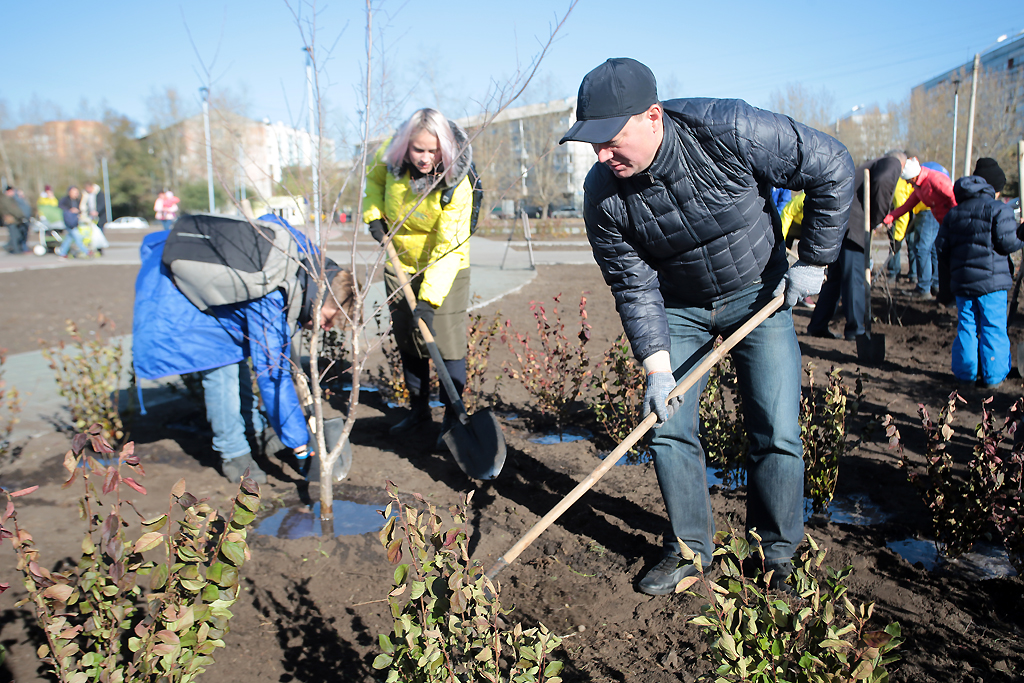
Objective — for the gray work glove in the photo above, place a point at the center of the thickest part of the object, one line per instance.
(425, 312)
(659, 386)
(802, 280)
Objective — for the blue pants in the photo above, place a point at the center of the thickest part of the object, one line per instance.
(924, 254)
(72, 236)
(768, 368)
(232, 409)
(845, 279)
(981, 331)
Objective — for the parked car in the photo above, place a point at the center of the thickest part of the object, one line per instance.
(563, 211)
(128, 223)
(532, 210)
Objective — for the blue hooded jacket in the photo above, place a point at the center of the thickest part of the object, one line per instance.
(172, 337)
(975, 238)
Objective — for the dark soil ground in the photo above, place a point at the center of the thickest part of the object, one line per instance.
(312, 607)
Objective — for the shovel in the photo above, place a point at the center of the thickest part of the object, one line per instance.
(475, 441)
(870, 348)
(633, 437)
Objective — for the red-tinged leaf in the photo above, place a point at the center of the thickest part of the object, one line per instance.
(127, 451)
(99, 444)
(135, 485)
(395, 551)
(110, 479)
(59, 592)
(23, 492)
(4, 586)
(70, 462)
(70, 480)
(178, 488)
(78, 443)
(877, 639)
(8, 512)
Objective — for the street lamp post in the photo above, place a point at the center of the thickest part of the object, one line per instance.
(205, 93)
(314, 151)
(956, 109)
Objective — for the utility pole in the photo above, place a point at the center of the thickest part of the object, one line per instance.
(956, 108)
(205, 93)
(523, 170)
(970, 120)
(106, 188)
(314, 146)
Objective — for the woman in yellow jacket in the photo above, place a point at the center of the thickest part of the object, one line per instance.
(418, 195)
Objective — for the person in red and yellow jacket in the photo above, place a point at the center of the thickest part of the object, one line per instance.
(419, 196)
(932, 188)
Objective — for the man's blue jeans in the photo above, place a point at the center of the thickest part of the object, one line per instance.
(72, 236)
(768, 368)
(924, 253)
(232, 409)
(981, 331)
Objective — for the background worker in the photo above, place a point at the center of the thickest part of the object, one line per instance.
(846, 275)
(678, 214)
(428, 159)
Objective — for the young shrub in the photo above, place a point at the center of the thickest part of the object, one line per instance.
(619, 385)
(823, 414)
(722, 432)
(479, 340)
(448, 619)
(964, 503)
(389, 379)
(551, 367)
(753, 636)
(100, 623)
(10, 406)
(88, 376)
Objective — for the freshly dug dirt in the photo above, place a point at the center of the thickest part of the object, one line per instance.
(312, 607)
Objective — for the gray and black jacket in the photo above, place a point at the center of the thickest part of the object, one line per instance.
(698, 224)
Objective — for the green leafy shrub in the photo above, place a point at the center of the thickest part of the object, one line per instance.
(88, 377)
(10, 406)
(448, 619)
(823, 413)
(619, 386)
(966, 503)
(722, 432)
(753, 636)
(100, 623)
(551, 367)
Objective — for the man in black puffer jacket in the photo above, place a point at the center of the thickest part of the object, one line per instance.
(679, 216)
(973, 243)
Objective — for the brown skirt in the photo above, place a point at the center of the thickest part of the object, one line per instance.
(449, 320)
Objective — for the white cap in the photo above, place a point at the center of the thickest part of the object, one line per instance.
(911, 169)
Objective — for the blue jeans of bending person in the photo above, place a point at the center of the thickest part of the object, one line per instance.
(232, 409)
(72, 236)
(981, 335)
(927, 259)
(768, 369)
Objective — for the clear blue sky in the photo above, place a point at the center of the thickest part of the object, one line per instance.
(117, 53)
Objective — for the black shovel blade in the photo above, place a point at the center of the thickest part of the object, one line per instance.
(871, 349)
(478, 446)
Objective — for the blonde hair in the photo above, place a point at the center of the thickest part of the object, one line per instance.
(342, 293)
(433, 122)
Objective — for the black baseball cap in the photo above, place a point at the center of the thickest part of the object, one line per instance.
(609, 95)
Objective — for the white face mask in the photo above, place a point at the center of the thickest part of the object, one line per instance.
(911, 169)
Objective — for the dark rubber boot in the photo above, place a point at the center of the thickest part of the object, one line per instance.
(418, 414)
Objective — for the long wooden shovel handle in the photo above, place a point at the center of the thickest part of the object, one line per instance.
(428, 338)
(633, 437)
(410, 298)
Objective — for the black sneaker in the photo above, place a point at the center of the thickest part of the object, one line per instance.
(781, 571)
(823, 334)
(666, 575)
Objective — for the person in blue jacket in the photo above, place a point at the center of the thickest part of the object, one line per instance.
(172, 337)
(974, 241)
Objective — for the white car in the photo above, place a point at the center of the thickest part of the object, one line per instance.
(128, 223)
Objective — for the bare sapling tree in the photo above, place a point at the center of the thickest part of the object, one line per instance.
(362, 333)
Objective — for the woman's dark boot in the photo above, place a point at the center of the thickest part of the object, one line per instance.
(418, 414)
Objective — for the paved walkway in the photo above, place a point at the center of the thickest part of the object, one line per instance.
(34, 380)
